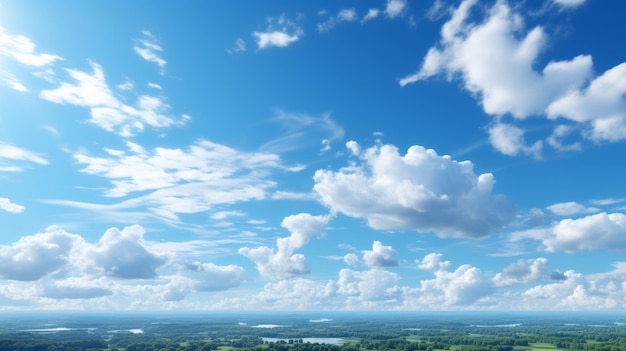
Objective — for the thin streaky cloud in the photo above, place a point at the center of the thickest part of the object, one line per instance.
(11, 152)
(150, 50)
(23, 50)
(370, 15)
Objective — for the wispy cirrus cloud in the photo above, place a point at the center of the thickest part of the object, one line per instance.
(14, 83)
(149, 49)
(170, 181)
(571, 208)
(569, 3)
(23, 50)
(91, 90)
(370, 15)
(240, 46)
(344, 15)
(11, 156)
(301, 130)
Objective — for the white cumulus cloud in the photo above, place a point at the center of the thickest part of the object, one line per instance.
(497, 66)
(35, 256)
(395, 8)
(211, 277)
(280, 32)
(463, 286)
(123, 255)
(602, 231)
(370, 285)
(380, 256)
(282, 262)
(433, 263)
(495, 57)
(509, 140)
(522, 271)
(601, 104)
(420, 191)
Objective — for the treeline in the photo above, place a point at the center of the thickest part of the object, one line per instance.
(21, 345)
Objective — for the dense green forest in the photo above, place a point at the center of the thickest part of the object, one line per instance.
(292, 333)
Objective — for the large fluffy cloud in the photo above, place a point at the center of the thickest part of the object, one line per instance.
(522, 271)
(594, 232)
(380, 256)
(122, 254)
(35, 256)
(367, 286)
(282, 262)
(496, 58)
(575, 293)
(419, 191)
(602, 104)
(463, 286)
(118, 254)
(211, 277)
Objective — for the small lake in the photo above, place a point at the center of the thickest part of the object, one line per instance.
(132, 331)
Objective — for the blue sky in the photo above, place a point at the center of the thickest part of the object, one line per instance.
(379, 155)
